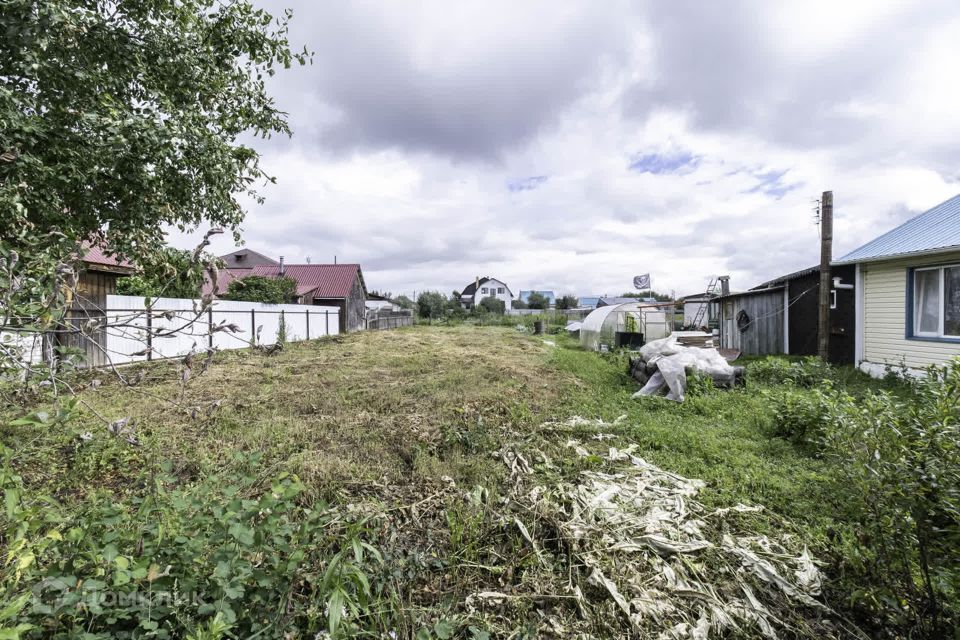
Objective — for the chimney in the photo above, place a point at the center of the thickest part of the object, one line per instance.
(281, 267)
(724, 285)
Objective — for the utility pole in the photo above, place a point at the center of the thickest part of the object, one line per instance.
(826, 255)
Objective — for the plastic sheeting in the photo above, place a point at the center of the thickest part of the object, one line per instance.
(673, 360)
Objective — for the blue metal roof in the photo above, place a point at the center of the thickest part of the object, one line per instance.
(588, 301)
(549, 295)
(933, 230)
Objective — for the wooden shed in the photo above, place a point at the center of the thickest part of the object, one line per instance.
(754, 321)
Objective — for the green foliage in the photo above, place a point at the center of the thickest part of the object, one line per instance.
(800, 416)
(262, 289)
(519, 304)
(170, 273)
(431, 304)
(807, 372)
(222, 557)
(567, 301)
(537, 300)
(490, 304)
(127, 115)
(404, 302)
(660, 297)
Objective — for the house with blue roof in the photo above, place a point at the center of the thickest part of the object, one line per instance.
(907, 284)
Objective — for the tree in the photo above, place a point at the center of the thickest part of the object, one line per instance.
(431, 304)
(492, 304)
(262, 289)
(660, 297)
(171, 273)
(519, 304)
(404, 302)
(567, 301)
(537, 300)
(131, 116)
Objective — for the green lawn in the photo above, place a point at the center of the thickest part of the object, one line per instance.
(392, 436)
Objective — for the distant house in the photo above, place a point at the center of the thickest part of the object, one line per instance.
(908, 292)
(331, 285)
(781, 316)
(588, 302)
(549, 295)
(238, 264)
(486, 287)
(609, 301)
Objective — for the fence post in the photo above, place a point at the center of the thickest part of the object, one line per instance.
(210, 328)
(308, 323)
(253, 326)
(283, 322)
(326, 315)
(150, 330)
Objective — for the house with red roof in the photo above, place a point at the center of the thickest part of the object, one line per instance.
(331, 285)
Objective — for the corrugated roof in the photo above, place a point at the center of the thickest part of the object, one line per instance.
(224, 278)
(931, 231)
(790, 276)
(96, 255)
(324, 280)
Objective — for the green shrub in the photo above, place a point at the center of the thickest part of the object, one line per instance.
(807, 372)
(801, 416)
(187, 560)
(262, 289)
(900, 466)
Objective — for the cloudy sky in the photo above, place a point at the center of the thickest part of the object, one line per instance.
(571, 145)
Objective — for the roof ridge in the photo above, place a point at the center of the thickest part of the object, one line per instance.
(900, 226)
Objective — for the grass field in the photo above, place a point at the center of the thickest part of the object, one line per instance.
(402, 428)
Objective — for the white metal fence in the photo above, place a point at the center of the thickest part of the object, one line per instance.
(171, 327)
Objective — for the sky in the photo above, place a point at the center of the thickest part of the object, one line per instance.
(572, 145)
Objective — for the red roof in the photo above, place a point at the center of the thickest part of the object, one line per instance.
(224, 278)
(324, 280)
(95, 255)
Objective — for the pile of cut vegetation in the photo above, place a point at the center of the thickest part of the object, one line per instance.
(628, 550)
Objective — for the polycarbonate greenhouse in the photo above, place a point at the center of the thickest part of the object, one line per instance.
(602, 325)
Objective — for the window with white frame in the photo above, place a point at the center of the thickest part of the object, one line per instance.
(484, 290)
(499, 289)
(936, 302)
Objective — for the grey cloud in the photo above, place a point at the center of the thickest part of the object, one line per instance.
(380, 93)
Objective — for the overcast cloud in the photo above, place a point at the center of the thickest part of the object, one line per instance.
(570, 146)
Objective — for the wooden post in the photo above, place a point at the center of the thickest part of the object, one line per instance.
(283, 322)
(210, 328)
(150, 331)
(826, 255)
(308, 323)
(326, 315)
(253, 326)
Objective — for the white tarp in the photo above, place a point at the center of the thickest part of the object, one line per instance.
(672, 360)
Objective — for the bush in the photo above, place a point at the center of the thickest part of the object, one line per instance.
(431, 304)
(493, 305)
(262, 289)
(800, 416)
(900, 467)
(184, 560)
(537, 301)
(807, 372)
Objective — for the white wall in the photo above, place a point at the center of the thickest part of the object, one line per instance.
(190, 331)
(494, 285)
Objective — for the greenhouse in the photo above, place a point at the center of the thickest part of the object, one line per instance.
(625, 325)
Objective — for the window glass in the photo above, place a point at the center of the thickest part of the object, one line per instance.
(926, 301)
(484, 290)
(499, 289)
(951, 301)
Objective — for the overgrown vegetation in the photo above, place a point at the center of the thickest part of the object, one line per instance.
(262, 289)
(362, 482)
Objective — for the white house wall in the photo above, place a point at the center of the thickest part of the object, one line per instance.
(495, 284)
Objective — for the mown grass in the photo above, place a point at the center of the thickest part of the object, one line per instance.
(390, 418)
